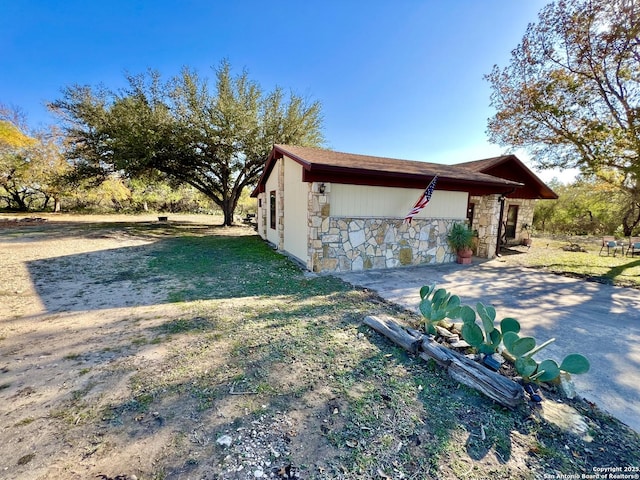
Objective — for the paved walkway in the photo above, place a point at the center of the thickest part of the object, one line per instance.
(600, 321)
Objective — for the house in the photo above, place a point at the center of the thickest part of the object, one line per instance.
(337, 212)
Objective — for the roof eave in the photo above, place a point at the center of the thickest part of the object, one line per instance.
(544, 192)
(329, 173)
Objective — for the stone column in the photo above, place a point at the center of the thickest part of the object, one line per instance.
(319, 209)
(280, 209)
(526, 208)
(488, 211)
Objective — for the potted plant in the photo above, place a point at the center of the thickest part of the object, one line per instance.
(475, 241)
(527, 228)
(461, 239)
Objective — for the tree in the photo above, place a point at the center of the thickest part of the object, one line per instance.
(32, 168)
(32, 171)
(218, 141)
(12, 137)
(48, 168)
(571, 92)
(12, 127)
(585, 207)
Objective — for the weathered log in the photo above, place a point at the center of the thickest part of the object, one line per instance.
(462, 369)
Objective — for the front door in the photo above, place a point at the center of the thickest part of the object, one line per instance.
(512, 221)
(470, 212)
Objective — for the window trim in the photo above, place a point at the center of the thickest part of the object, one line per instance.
(272, 209)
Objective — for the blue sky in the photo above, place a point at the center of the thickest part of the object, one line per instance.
(399, 78)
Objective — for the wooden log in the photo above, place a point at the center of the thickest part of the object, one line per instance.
(410, 340)
(462, 369)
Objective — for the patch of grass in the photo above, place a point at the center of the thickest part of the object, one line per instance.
(123, 276)
(84, 371)
(138, 341)
(186, 325)
(80, 394)
(25, 421)
(227, 267)
(26, 458)
(541, 451)
(142, 402)
(72, 356)
(547, 254)
(117, 349)
(177, 296)
(77, 410)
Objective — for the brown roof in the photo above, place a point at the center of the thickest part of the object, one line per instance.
(484, 164)
(322, 159)
(511, 167)
(323, 165)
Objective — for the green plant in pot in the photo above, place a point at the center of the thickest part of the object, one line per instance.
(460, 239)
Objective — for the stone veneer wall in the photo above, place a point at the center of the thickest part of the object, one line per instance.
(262, 215)
(280, 193)
(341, 244)
(487, 210)
(485, 221)
(525, 216)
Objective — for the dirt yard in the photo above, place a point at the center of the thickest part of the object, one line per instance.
(103, 366)
(63, 335)
(111, 369)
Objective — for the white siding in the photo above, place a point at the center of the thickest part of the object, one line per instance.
(295, 212)
(368, 201)
(271, 185)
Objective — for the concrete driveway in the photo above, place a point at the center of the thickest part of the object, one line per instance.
(600, 321)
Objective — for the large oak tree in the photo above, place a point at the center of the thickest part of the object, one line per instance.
(571, 94)
(216, 140)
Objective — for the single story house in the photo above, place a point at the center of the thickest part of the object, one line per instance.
(337, 212)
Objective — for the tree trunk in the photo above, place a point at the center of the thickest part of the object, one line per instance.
(57, 205)
(229, 207)
(466, 371)
(20, 202)
(228, 214)
(631, 219)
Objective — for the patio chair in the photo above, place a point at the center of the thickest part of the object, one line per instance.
(634, 246)
(610, 244)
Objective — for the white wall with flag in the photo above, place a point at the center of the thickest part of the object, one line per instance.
(390, 202)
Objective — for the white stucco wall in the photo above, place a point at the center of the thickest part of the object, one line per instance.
(296, 193)
(369, 201)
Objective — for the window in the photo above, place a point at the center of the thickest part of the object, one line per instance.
(512, 220)
(272, 209)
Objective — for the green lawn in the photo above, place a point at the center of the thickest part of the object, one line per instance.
(547, 253)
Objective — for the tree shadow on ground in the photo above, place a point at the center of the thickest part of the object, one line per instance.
(620, 269)
(168, 270)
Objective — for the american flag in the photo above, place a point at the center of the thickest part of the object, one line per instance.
(422, 201)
